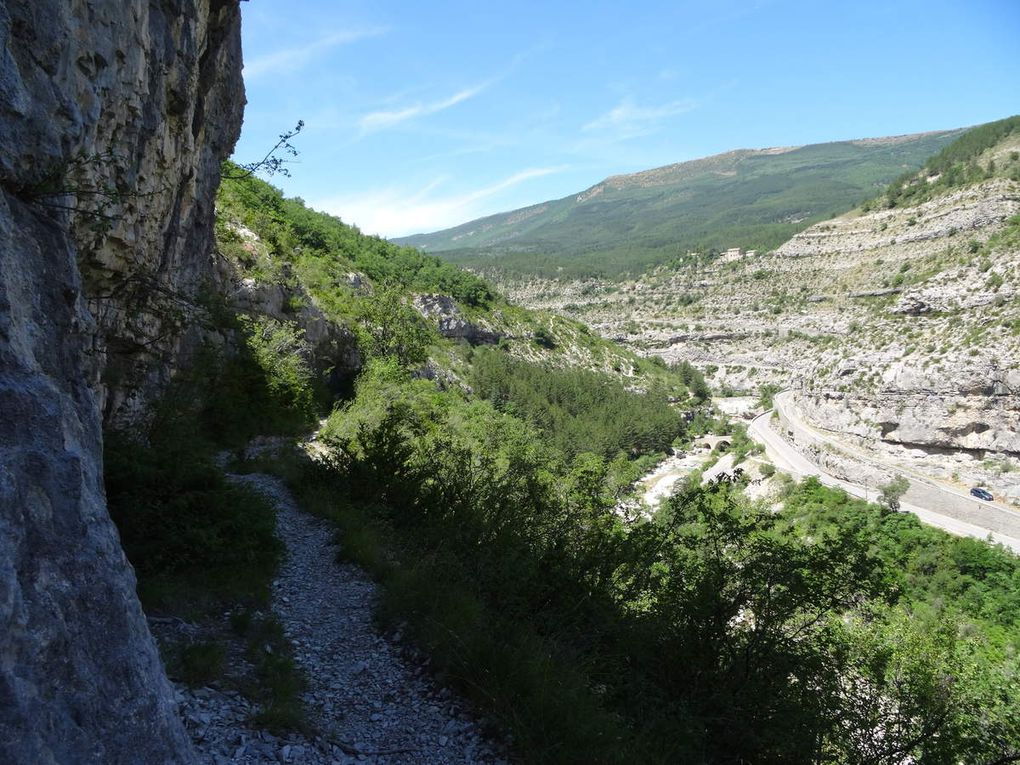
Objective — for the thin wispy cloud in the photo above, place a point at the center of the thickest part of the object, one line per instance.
(297, 57)
(381, 120)
(629, 120)
(398, 212)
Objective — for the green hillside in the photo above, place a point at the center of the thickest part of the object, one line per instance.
(480, 484)
(755, 199)
(988, 151)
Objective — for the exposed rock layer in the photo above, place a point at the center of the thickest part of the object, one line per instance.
(121, 111)
(450, 322)
(128, 108)
(898, 327)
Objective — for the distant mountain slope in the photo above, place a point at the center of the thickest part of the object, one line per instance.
(753, 199)
(897, 324)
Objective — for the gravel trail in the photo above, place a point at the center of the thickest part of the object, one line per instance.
(369, 702)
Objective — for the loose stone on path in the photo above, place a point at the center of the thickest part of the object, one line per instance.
(368, 702)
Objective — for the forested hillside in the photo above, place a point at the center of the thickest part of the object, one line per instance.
(961, 163)
(478, 483)
(753, 199)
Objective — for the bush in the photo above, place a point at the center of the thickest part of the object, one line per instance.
(544, 338)
(281, 354)
(389, 326)
(695, 381)
(713, 634)
(198, 663)
(181, 522)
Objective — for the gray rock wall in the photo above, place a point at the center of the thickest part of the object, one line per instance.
(80, 678)
(129, 106)
(120, 110)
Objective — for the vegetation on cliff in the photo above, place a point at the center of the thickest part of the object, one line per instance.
(479, 484)
(965, 161)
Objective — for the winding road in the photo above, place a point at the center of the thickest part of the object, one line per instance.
(934, 504)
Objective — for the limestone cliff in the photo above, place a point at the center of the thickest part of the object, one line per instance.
(114, 117)
(899, 328)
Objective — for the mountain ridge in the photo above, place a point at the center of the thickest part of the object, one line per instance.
(752, 198)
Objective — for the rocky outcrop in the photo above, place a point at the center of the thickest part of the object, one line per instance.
(959, 289)
(332, 347)
(968, 211)
(443, 310)
(114, 117)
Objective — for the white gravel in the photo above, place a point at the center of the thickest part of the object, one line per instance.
(367, 698)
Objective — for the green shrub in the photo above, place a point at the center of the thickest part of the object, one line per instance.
(198, 663)
(713, 634)
(182, 524)
(695, 381)
(281, 354)
(544, 338)
(390, 326)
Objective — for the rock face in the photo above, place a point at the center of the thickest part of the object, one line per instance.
(114, 116)
(332, 347)
(451, 323)
(979, 412)
(128, 107)
(80, 679)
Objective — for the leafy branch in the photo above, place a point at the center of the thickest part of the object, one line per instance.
(272, 163)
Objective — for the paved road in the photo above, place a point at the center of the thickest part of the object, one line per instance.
(785, 404)
(941, 507)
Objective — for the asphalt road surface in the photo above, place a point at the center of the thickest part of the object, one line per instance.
(939, 506)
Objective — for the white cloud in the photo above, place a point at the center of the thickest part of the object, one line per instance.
(397, 212)
(629, 120)
(374, 121)
(292, 59)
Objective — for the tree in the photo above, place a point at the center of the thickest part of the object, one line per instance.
(890, 494)
(695, 381)
(741, 613)
(766, 394)
(391, 327)
(271, 163)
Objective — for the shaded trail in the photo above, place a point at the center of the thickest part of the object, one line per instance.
(366, 699)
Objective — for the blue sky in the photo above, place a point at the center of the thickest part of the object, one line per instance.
(423, 115)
